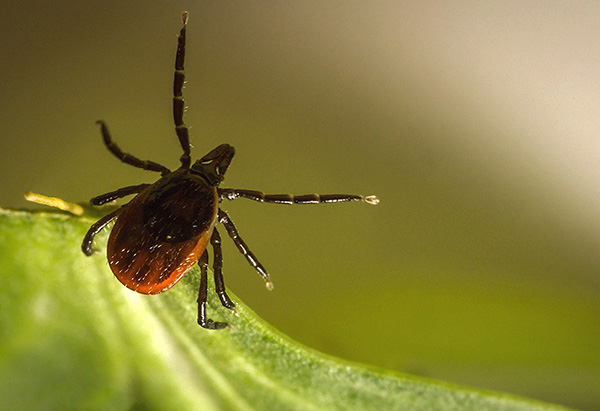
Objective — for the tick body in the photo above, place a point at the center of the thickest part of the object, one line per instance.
(166, 228)
(170, 224)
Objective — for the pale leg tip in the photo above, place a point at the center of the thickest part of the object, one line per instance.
(371, 200)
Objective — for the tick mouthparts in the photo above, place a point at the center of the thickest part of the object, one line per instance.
(371, 200)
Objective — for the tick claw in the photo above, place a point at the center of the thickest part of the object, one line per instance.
(371, 200)
(212, 325)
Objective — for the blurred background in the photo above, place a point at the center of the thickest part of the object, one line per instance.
(476, 123)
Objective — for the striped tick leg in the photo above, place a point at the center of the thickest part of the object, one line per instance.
(232, 194)
(120, 193)
(88, 240)
(241, 245)
(215, 241)
(202, 293)
(128, 158)
(178, 102)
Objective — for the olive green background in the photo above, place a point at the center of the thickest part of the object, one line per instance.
(476, 125)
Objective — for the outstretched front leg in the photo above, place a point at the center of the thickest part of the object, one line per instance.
(178, 101)
(232, 194)
(88, 240)
(128, 158)
(202, 293)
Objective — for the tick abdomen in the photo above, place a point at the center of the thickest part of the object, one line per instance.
(162, 232)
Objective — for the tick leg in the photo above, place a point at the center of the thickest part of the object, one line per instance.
(178, 101)
(113, 195)
(241, 245)
(202, 293)
(215, 240)
(128, 158)
(232, 194)
(88, 240)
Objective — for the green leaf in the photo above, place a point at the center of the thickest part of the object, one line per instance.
(71, 337)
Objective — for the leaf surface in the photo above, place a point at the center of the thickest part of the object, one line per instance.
(71, 337)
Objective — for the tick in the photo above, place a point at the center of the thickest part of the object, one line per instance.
(166, 228)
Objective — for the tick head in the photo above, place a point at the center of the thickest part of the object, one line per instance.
(214, 164)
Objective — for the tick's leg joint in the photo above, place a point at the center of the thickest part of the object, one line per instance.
(88, 240)
(215, 240)
(241, 245)
(113, 195)
(128, 158)
(202, 293)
